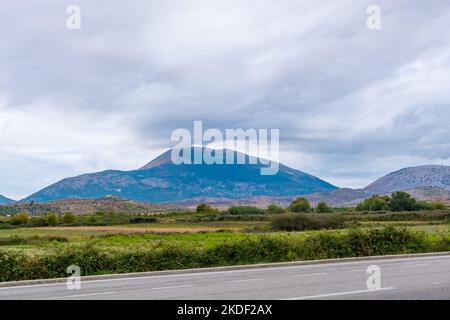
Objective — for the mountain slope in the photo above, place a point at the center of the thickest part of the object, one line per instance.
(4, 200)
(163, 181)
(412, 178)
(427, 183)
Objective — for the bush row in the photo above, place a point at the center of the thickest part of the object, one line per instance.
(264, 248)
(307, 221)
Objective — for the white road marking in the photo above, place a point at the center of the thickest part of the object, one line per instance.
(356, 270)
(309, 274)
(340, 294)
(89, 294)
(415, 265)
(245, 280)
(173, 287)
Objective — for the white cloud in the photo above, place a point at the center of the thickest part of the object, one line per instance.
(351, 104)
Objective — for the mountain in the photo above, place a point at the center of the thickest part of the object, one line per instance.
(163, 181)
(426, 183)
(412, 178)
(4, 200)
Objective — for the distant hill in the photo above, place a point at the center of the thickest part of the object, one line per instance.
(84, 206)
(412, 178)
(4, 200)
(426, 183)
(162, 181)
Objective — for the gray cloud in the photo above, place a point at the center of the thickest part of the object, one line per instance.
(351, 104)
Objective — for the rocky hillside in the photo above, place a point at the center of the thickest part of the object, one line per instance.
(426, 183)
(163, 181)
(84, 206)
(412, 178)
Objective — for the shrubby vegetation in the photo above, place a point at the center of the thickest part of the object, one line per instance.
(69, 219)
(274, 208)
(20, 219)
(205, 208)
(251, 249)
(300, 205)
(374, 203)
(245, 210)
(322, 207)
(399, 201)
(255, 237)
(307, 221)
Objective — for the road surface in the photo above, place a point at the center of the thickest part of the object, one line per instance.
(401, 278)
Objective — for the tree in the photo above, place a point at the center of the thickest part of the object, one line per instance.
(68, 217)
(300, 205)
(20, 219)
(273, 208)
(205, 208)
(424, 205)
(374, 203)
(402, 201)
(322, 207)
(52, 219)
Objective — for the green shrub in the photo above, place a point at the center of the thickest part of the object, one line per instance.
(273, 208)
(143, 219)
(374, 203)
(242, 217)
(52, 219)
(402, 201)
(205, 208)
(300, 205)
(20, 219)
(307, 221)
(245, 210)
(322, 207)
(399, 201)
(68, 218)
(37, 222)
(422, 205)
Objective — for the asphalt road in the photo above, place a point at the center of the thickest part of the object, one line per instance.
(405, 278)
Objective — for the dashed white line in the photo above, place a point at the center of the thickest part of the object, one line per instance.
(339, 294)
(245, 280)
(88, 294)
(309, 274)
(415, 265)
(173, 287)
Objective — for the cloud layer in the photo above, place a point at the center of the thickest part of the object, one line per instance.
(351, 103)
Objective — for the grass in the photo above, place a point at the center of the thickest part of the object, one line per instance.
(47, 257)
(38, 241)
(27, 253)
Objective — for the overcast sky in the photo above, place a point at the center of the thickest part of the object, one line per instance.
(352, 104)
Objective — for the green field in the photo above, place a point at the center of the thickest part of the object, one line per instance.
(191, 240)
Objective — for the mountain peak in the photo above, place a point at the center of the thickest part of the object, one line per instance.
(165, 157)
(159, 160)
